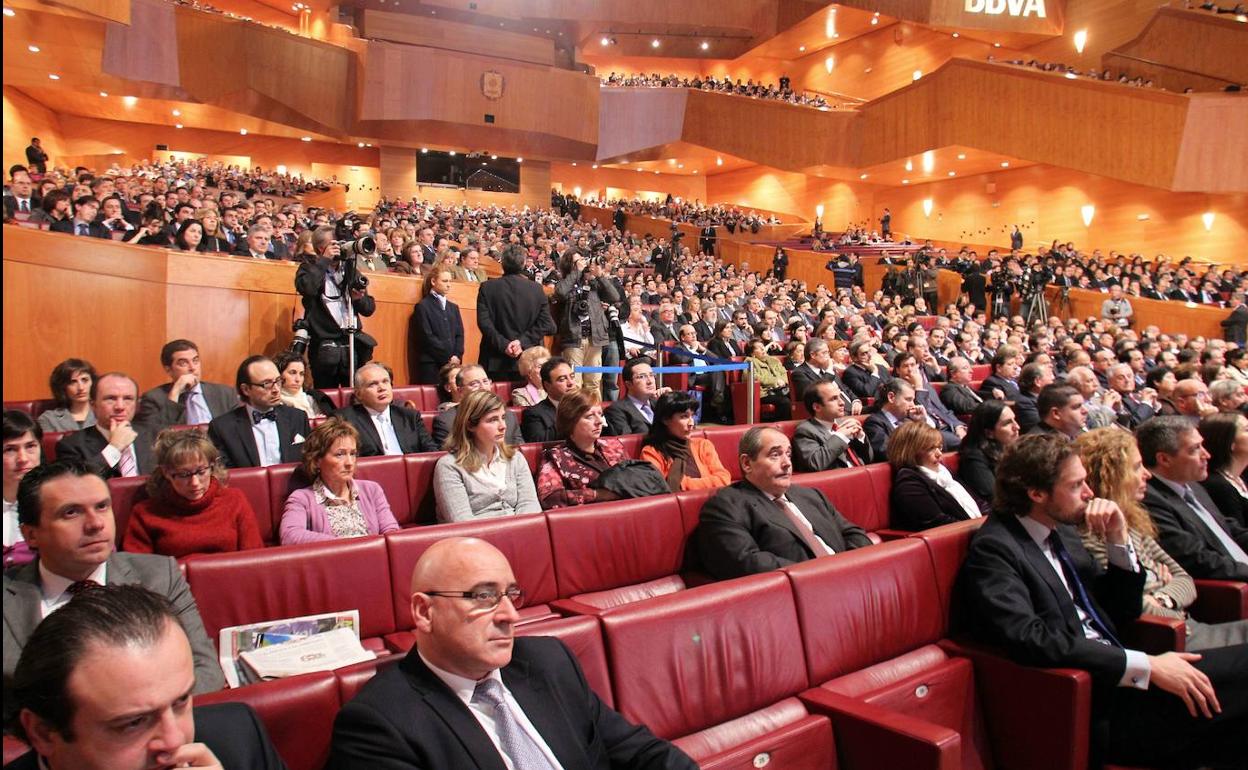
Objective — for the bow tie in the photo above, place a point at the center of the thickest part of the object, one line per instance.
(257, 417)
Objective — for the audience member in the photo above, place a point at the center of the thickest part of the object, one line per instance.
(906, 367)
(894, 403)
(297, 390)
(1133, 408)
(924, 493)
(1102, 406)
(635, 412)
(1063, 611)
(482, 475)
(20, 202)
(512, 315)
(186, 399)
(992, 430)
(437, 328)
(1031, 380)
(686, 461)
(384, 428)
(583, 327)
(261, 431)
(1002, 384)
(470, 379)
(114, 445)
(957, 393)
(537, 422)
(530, 367)
(1191, 399)
(829, 439)
(66, 515)
(1226, 439)
(337, 505)
(863, 377)
(83, 222)
(1116, 472)
(772, 379)
(188, 508)
(1228, 396)
(764, 522)
(70, 384)
(1061, 411)
(568, 471)
(23, 450)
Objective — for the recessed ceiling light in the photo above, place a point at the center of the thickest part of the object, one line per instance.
(1071, 76)
(368, 144)
(305, 138)
(424, 150)
(129, 101)
(104, 94)
(654, 43)
(595, 165)
(1005, 164)
(177, 125)
(955, 34)
(905, 181)
(361, 144)
(602, 41)
(54, 77)
(719, 161)
(8, 12)
(242, 131)
(176, 113)
(996, 45)
(961, 156)
(680, 165)
(519, 160)
(874, 20)
(32, 48)
(1142, 217)
(862, 176)
(801, 48)
(705, 45)
(574, 163)
(695, 171)
(953, 173)
(909, 165)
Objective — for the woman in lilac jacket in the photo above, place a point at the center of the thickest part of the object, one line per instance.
(337, 505)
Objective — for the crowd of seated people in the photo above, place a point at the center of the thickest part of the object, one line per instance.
(732, 218)
(725, 85)
(1070, 71)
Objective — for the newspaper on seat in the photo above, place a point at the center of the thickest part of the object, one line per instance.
(235, 641)
(319, 652)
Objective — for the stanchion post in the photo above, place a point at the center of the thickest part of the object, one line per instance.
(662, 362)
(749, 399)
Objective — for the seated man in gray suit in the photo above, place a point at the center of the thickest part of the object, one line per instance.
(763, 522)
(66, 514)
(469, 379)
(634, 412)
(118, 444)
(829, 439)
(185, 399)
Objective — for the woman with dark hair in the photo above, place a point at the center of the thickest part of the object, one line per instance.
(153, 232)
(70, 384)
(924, 493)
(1163, 380)
(687, 462)
(190, 235)
(23, 450)
(189, 509)
(569, 470)
(993, 428)
(1226, 440)
(297, 389)
(794, 354)
(720, 343)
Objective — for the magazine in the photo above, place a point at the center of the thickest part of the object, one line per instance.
(235, 640)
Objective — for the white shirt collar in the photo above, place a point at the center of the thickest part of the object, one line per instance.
(1179, 489)
(1037, 531)
(375, 415)
(53, 585)
(462, 686)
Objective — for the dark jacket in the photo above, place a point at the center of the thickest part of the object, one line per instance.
(916, 502)
(94, 229)
(310, 283)
(510, 308)
(1232, 504)
(437, 332)
(537, 422)
(862, 383)
(86, 445)
(623, 417)
(408, 428)
(1186, 538)
(976, 472)
(233, 437)
(566, 298)
(960, 398)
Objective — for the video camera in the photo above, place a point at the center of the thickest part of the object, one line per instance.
(364, 246)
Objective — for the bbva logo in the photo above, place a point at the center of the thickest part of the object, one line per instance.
(1012, 7)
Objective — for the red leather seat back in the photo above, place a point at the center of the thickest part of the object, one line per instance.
(980, 371)
(423, 507)
(689, 660)
(351, 678)
(50, 440)
(789, 427)
(503, 390)
(533, 456)
(298, 714)
(340, 396)
(691, 503)
(865, 606)
(881, 475)
(391, 474)
(22, 406)
(413, 393)
(616, 544)
(632, 444)
(425, 396)
(583, 636)
(950, 461)
(849, 490)
(254, 484)
(250, 586)
(726, 439)
(125, 492)
(524, 540)
(947, 546)
(283, 479)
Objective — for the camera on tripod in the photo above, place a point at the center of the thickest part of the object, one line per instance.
(364, 246)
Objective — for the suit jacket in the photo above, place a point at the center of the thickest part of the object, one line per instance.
(703, 330)
(862, 383)
(310, 283)
(444, 420)
(1005, 386)
(815, 448)
(916, 502)
(23, 598)
(1235, 325)
(806, 375)
(960, 398)
(537, 422)
(12, 208)
(510, 308)
(156, 406)
(623, 417)
(974, 285)
(1133, 412)
(1186, 538)
(1026, 411)
(975, 472)
(1015, 599)
(946, 421)
(1232, 504)
(741, 532)
(231, 433)
(94, 229)
(878, 430)
(408, 428)
(406, 717)
(86, 445)
(439, 333)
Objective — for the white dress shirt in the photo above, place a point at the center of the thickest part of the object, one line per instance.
(1207, 519)
(55, 588)
(484, 714)
(12, 532)
(1122, 556)
(268, 445)
(336, 299)
(112, 455)
(802, 517)
(384, 422)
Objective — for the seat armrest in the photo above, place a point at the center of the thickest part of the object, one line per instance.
(569, 607)
(1220, 601)
(870, 736)
(893, 534)
(1154, 635)
(1011, 696)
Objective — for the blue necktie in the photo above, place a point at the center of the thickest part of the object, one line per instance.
(82, 229)
(1076, 587)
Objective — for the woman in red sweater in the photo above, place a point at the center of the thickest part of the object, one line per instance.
(189, 509)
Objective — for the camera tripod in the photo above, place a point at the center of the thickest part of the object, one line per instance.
(1061, 306)
(1036, 307)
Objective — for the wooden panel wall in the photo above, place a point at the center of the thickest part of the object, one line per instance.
(1110, 24)
(433, 32)
(24, 118)
(843, 202)
(596, 182)
(1213, 156)
(1198, 42)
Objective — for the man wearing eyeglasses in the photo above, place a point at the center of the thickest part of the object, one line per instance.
(469, 694)
(634, 412)
(262, 431)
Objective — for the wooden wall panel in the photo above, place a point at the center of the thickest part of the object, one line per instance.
(398, 172)
(24, 118)
(215, 319)
(594, 183)
(1198, 42)
(775, 189)
(1110, 24)
(433, 32)
(1213, 156)
(634, 119)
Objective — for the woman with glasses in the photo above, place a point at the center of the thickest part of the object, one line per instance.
(481, 475)
(189, 509)
(337, 504)
(924, 493)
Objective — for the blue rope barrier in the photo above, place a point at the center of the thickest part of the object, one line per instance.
(730, 367)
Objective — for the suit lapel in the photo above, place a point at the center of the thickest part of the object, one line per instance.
(451, 710)
(246, 439)
(22, 599)
(767, 507)
(367, 428)
(1044, 568)
(542, 710)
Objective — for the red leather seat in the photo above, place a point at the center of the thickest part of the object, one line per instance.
(980, 371)
(340, 396)
(391, 474)
(423, 507)
(254, 484)
(524, 540)
(297, 712)
(413, 393)
(950, 461)
(251, 586)
(740, 403)
(615, 553)
(533, 456)
(726, 438)
(632, 444)
(282, 479)
(50, 440)
(716, 669)
(14, 747)
(503, 390)
(691, 503)
(850, 491)
(22, 406)
(125, 492)
(583, 636)
(352, 678)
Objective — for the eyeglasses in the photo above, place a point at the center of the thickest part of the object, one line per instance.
(266, 384)
(485, 598)
(188, 475)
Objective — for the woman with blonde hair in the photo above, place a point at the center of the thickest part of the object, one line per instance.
(482, 476)
(924, 493)
(1116, 472)
(214, 238)
(530, 365)
(189, 509)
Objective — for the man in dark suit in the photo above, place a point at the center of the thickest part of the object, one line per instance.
(1190, 526)
(1131, 411)
(1028, 585)
(537, 422)
(862, 377)
(437, 331)
(262, 431)
(635, 412)
(665, 328)
(1235, 326)
(21, 199)
(385, 428)
(125, 660)
(428, 252)
(957, 393)
(118, 444)
(619, 219)
(65, 513)
(938, 415)
(329, 308)
(828, 439)
(469, 694)
(1061, 411)
(1016, 239)
(707, 239)
(764, 522)
(1031, 381)
(470, 379)
(83, 221)
(185, 399)
(1007, 364)
(513, 314)
(818, 368)
(896, 404)
(886, 224)
(36, 156)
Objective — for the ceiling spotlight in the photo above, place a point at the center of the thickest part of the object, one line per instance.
(605, 41)
(680, 165)
(54, 77)
(424, 150)
(129, 101)
(519, 160)
(916, 74)
(695, 171)
(905, 181)
(719, 161)
(801, 48)
(875, 20)
(1080, 40)
(656, 172)
(32, 48)
(955, 34)
(1071, 76)
(654, 43)
(104, 94)
(361, 145)
(1005, 164)
(909, 165)
(705, 45)
(862, 176)
(9, 12)
(953, 173)
(573, 163)
(829, 64)
(595, 165)
(305, 138)
(176, 113)
(996, 45)
(1142, 217)
(242, 131)
(961, 156)
(929, 162)
(177, 125)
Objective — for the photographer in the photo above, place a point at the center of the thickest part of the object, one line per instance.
(1001, 288)
(583, 323)
(334, 296)
(1117, 309)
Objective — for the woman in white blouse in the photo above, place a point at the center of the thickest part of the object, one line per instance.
(481, 476)
(924, 493)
